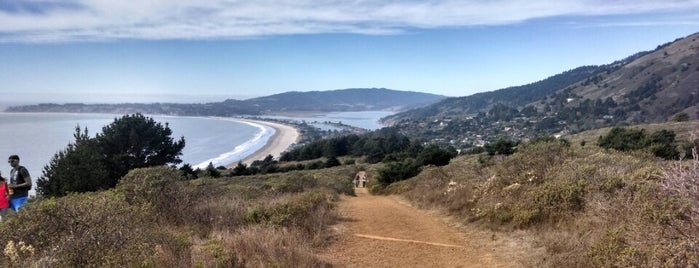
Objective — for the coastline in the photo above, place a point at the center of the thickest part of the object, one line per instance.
(283, 137)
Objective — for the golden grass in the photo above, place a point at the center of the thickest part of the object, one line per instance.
(684, 131)
(589, 207)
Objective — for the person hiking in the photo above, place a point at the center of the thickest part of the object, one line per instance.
(20, 183)
(4, 198)
(364, 180)
(356, 181)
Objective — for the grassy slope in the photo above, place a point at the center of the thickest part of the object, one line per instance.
(587, 206)
(684, 130)
(156, 219)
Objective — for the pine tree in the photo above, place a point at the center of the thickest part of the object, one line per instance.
(136, 141)
(78, 168)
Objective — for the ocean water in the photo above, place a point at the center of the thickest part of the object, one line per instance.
(36, 137)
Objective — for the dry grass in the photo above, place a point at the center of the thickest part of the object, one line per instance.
(256, 246)
(684, 131)
(155, 218)
(587, 206)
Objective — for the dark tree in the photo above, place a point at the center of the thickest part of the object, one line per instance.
(240, 169)
(188, 172)
(332, 162)
(136, 141)
(623, 139)
(211, 171)
(434, 155)
(662, 144)
(502, 146)
(78, 168)
(398, 171)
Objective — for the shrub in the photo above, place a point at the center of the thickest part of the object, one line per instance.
(680, 117)
(257, 246)
(216, 253)
(211, 171)
(532, 163)
(610, 250)
(661, 143)
(83, 230)
(550, 201)
(332, 162)
(502, 146)
(433, 155)
(398, 171)
(164, 188)
(297, 210)
(623, 139)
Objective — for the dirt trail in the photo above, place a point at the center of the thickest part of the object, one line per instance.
(384, 231)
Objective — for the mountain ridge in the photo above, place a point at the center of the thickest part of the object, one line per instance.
(647, 87)
(339, 100)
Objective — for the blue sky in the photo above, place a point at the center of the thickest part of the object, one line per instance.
(198, 51)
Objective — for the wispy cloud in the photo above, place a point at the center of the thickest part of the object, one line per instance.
(84, 20)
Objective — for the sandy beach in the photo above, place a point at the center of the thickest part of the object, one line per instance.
(284, 136)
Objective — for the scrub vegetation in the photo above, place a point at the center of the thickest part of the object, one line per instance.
(631, 199)
(586, 205)
(155, 217)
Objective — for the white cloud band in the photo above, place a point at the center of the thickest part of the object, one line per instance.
(74, 20)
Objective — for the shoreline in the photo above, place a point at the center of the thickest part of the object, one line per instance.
(283, 137)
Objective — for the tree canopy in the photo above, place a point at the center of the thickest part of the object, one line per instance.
(136, 141)
(661, 143)
(90, 164)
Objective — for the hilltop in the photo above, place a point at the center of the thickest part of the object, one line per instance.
(647, 87)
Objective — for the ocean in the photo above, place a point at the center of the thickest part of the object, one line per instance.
(36, 137)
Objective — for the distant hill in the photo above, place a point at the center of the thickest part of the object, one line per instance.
(356, 99)
(511, 96)
(648, 87)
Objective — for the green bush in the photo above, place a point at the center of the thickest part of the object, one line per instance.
(501, 146)
(661, 143)
(398, 171)
(164, 188)
(623, 139)
(434, 155)
(211, 171)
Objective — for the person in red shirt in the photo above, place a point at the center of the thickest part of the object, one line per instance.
(4, 197)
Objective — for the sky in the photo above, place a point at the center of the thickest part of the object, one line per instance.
(192, 51)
